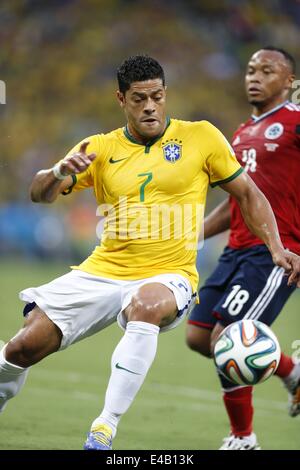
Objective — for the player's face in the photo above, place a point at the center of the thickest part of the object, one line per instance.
(144, 105)
(268, 78)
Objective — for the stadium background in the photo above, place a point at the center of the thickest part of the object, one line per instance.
(58, 60)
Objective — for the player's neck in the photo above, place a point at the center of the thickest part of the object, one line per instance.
(143, 140)
(259, 110)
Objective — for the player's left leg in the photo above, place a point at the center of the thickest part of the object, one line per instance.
(153, 307)
(262, 300)
(238, 404)
(202, 321)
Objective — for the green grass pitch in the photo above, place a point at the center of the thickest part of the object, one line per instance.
(178, 407)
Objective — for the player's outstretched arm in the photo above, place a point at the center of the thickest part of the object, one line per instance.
(48, 184)
(260, 219)
(217, 220)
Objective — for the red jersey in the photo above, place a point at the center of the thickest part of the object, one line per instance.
(268, 147)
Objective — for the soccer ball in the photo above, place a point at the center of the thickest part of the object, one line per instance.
(247, 352)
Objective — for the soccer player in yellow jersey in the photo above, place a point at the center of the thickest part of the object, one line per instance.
(150, 180)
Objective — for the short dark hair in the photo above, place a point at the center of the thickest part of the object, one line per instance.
(138, 68)
(288, 57)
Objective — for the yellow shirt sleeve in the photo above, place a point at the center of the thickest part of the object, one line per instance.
(221, 164)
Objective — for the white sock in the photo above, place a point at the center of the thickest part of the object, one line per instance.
(130, 363)
(12, 378)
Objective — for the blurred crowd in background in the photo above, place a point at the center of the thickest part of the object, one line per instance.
(58, 60)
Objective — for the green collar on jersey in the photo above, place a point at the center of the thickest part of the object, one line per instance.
(151, 142)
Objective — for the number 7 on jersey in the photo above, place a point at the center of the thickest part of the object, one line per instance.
(144, 184)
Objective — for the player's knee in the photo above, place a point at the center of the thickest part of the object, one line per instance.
(149, 311)
(142, 310)
(198, 342)
(21, 352)
(39, 338)
(24, 350)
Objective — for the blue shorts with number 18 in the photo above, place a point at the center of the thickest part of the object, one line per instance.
(245, 284)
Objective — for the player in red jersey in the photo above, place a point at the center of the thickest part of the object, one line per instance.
(268, 146)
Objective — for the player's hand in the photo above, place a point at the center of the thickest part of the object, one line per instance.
(291, 264)
(77, 162)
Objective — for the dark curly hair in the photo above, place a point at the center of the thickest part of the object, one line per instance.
(138, 68)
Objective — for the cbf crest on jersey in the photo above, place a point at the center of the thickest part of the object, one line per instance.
(172, 151)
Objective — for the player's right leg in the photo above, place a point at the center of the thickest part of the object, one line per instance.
(238, 404)
(203, 317)
(237, 400)
(37, 339)
(67, 310)
(201, 323)
(261, 299)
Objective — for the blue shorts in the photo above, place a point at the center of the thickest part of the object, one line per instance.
(245, 284)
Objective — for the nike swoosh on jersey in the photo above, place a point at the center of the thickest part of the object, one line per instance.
(127, 370)
(111, 160)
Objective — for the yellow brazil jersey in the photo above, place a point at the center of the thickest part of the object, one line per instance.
(153, 197)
